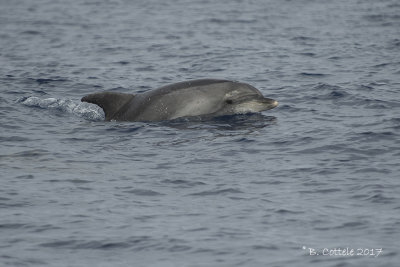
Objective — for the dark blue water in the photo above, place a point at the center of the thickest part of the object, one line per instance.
(317, 174)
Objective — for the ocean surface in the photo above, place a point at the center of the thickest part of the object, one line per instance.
(313, 182)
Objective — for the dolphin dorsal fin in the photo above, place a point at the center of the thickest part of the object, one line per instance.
(110, 102)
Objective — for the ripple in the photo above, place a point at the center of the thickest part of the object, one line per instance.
(321, 191)
(14, 139)
(183, 183)
(143, 192)
(78, 181)
(353, 225)
(381, 199)
(6, 226)
(308, 54)
(376, 136)
(333, 92)
(286, 211)
(27, 154)
(136, 243)
(46, 81)
(25, 177)
(31, 32)
(222, 192)
(313, 74)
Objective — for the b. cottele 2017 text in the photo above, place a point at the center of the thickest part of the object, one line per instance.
(372, 252)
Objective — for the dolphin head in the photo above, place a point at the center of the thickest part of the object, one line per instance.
(244, 98)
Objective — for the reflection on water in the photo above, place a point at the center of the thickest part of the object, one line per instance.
(250, 122)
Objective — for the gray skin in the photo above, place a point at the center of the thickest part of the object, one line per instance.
(202, 98)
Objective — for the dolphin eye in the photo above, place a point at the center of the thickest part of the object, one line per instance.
(229, 101)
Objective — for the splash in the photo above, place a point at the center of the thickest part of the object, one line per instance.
(84, 110)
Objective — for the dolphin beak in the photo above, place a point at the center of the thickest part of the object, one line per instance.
(269, 103)
(255, 105)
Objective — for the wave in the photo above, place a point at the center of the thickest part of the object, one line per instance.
(82, 109)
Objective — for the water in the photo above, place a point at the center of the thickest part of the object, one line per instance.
(319, 171)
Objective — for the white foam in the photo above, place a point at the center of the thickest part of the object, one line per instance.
(83, 110)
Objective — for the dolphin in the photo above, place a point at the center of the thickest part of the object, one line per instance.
(199, 98)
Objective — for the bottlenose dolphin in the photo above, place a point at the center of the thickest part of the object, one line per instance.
(204, 98)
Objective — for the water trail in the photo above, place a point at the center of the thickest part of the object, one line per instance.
(84, 110)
